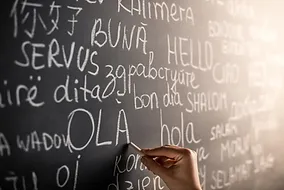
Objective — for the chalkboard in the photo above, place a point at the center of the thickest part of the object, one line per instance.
(81, 79)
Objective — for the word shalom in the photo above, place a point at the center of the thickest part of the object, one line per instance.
(206, 102)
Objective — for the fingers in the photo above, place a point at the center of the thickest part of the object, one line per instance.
(154, 166)
(168, 163)
(161, 159)
(166, 151)
(165, 161)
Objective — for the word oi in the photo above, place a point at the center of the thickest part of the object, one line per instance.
(62, 180)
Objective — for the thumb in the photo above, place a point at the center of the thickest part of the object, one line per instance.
(154, 167)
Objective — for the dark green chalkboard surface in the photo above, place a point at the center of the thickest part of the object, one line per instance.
(79, 79)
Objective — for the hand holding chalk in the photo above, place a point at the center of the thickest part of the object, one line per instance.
(175, 165)
(163, 160)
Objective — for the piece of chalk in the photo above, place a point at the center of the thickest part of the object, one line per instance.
(136, 148)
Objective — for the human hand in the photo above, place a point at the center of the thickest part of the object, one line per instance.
(175, 165)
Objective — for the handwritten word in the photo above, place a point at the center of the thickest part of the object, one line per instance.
(234, 148)
(240, 9)
(146, 182)
(145, 100)
(229, 47)
(205, 102)
(158, 11)
(62, 180)
(43, 142)
(263, 162)
(179, 54)
(53, 52)
(177, 135)
(247, 107)
(132, 162)
(4, 145)
(226, 178)
(79, 92)
(19, 95)
(148, 71)
(126, 40)
(223, 130)
(15, 181)
(121, 128)
(172, 97)
(226, 73)
(225, 30)
(30, 17)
